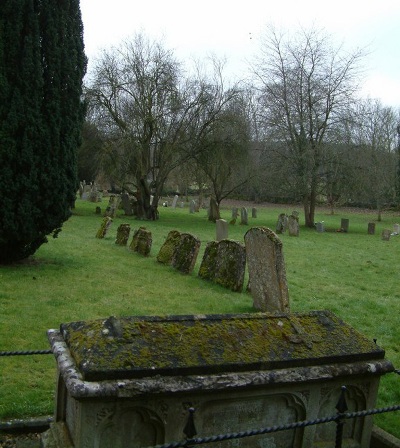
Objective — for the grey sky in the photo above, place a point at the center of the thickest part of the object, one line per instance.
(224, 27)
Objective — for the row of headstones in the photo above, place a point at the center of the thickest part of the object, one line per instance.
(288, 222)
(224, 262)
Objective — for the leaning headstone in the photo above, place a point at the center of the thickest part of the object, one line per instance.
(209, 261)
(371, 228)
(386, 233)
(141, 241)
(320, 227)
(123, 234)
(396, 229)
(267, 272)
(168, 248)
(174, 201)
(344, 225)
(293, 225)
(224, 263)
(244, 217)
(221, 229)
(254, 212)
(282, 223)
(192, 207)
(105, 225)
(185, 254)
(112, 206)
(231, 265)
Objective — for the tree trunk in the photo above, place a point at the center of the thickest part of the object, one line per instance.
(214, 213)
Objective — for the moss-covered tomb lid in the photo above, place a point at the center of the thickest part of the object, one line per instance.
(135, 347)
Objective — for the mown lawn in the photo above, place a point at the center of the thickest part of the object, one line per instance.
(77, 276)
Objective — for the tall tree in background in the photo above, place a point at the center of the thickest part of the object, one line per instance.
(42, 64)
(304, 84)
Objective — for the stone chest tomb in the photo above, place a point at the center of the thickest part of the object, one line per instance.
(129, 382)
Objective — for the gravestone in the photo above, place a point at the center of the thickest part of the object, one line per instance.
(235, 213)
(185, 254)
(224, 263)
(86, 191)
(396, 229)
(209, 261)
(141, 241)
(282, 224)
(371, 228)
(192, 206)
(293, 225)
(254, 212)
(98, 211)
(127, 204)
(386, 234)
(112, 206)
(123, 234)
(320, 227)
(244, 217)
(132, 381)
(267, 272)
(344, 225)
(221, 229)
(105, 225)
(94, 194)
(174, 201)
(182, 204)
(168, 248)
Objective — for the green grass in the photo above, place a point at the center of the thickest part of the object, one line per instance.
(77, 277)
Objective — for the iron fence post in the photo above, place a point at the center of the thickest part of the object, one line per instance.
(341, 408)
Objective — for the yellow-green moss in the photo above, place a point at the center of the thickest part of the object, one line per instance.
(217, 343)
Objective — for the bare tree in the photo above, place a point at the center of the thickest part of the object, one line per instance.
(373, 137)
(151, 115)
(304, 84)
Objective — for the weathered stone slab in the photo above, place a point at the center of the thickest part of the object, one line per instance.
(344, 225)
(112, 206)
(136, 347)
(221, 229)
(168, 248)
(267, 272)
(371, 228)
(141, 241)
(224, 263)
(123, 232)
(293, 225)
(209, 261)
(244, 216)
(105, 225)
(185, 254)
(282, 224)
(239, 372)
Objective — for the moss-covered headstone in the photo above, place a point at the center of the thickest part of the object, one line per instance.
(141, 241)
(123, 234)
(105, 225)
(168, 248)
(224, 263)
(185, 254)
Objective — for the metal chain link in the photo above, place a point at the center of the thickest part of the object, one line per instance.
(26, 352)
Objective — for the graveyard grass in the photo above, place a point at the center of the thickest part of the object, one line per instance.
(78, 277)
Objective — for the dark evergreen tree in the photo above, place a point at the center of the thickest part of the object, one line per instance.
(42, 64)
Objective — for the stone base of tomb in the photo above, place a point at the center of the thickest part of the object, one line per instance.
(302, 381)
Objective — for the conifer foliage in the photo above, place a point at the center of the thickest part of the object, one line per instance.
(42, 64)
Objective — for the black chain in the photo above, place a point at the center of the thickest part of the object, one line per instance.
(238, 435)
(27, 352)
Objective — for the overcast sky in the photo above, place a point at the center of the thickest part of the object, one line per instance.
(230, 29)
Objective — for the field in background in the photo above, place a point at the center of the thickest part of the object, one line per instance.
(77, 277)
